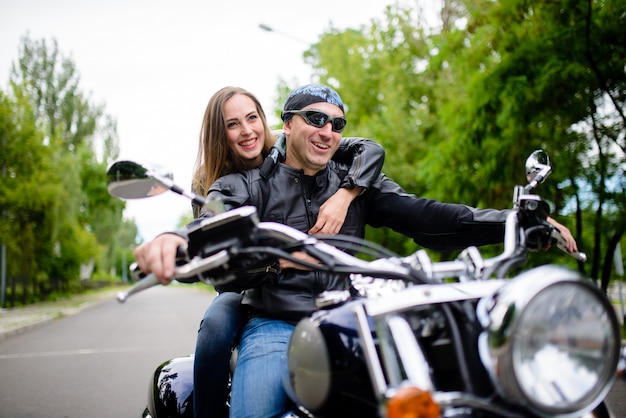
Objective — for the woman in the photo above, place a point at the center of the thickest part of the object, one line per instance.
(235, 137)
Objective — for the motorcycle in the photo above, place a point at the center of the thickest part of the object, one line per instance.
(414, 337)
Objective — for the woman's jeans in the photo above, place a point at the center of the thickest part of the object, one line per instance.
(257, 386)
(217, 335)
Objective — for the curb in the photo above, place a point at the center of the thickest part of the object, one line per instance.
(41, 319)
(4, 335)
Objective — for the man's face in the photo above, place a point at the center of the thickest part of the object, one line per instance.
(310, 148)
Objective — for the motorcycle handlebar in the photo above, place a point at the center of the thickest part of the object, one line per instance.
(469, 267)
(188, 270)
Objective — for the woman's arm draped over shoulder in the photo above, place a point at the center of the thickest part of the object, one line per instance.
(365, 159)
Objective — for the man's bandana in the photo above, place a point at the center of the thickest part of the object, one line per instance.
(309, 94)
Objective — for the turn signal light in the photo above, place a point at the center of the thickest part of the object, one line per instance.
(411, 402)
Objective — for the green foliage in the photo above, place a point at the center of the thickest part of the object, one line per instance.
(459, 107)
(26, 172)
(377, 72)
(57, 214)
(185, 219)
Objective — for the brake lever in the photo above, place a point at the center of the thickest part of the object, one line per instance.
(185, 269)
(148, 281)
(192, 268)
(561, 244)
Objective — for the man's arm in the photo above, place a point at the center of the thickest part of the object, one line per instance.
(439, 226)
(430, 223)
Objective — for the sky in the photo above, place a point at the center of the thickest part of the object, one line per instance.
(155, 64)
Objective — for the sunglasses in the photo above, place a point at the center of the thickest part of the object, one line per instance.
(320, 119)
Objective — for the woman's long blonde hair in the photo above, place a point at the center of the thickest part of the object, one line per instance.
(215, 158)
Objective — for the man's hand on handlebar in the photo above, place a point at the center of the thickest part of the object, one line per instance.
(571, 245)
(159, 256)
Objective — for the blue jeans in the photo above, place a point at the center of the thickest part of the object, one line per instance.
(217, 335)
(257, 386)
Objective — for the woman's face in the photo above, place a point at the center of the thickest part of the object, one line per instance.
(244, 130)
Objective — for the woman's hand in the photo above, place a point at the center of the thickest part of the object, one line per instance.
(159, 256)
(333, 212)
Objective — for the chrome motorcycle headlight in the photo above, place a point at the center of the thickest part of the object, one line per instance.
(309, 365)
(551, 341)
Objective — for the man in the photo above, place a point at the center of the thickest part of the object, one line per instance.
(292, 194)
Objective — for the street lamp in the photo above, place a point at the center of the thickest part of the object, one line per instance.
(268, 28)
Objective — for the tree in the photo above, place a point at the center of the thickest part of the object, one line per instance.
(56, 147)
(27, 196)
(459, 106)
(551, 75)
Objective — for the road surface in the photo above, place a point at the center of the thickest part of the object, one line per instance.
(99, 362)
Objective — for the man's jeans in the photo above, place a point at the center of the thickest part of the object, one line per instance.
(261, 368)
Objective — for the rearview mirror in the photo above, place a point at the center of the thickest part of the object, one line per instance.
(130, 180)
(537, 169)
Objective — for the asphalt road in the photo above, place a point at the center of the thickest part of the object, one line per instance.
(98, 363)
(617, 399)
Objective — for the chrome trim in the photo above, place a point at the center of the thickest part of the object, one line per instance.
(330, 298)
(470, 265)
(461, 399)
(391, 267)
(369, 351)
(411, 355)
(429, 294)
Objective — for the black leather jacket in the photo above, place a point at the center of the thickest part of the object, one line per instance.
(364, 157)
(283, 194)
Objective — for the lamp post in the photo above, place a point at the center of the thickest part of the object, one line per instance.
(268, 28)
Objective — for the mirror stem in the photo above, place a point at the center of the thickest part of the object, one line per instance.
(197, 200)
